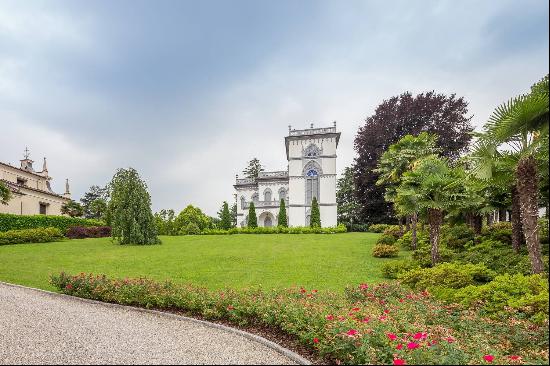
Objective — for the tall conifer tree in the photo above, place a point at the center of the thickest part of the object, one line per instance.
(315, 220)
(252, 219)
(282, 221)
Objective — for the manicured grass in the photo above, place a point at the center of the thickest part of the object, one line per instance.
(237, 261)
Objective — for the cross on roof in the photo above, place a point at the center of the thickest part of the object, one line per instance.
(27, 153)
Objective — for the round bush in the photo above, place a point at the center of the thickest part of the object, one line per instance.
(394, 231)
(386, 240)
(385, 251)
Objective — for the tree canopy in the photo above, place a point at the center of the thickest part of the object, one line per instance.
(5, 194)
(253, 169)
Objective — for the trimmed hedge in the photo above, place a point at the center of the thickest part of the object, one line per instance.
(21, 222)
(81, 232)
(278, 230)
(449, 275)
(385, 251)
(39, 235)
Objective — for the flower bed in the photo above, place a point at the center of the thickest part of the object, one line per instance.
(383, 324)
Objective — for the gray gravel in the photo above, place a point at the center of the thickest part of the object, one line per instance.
(41, 328)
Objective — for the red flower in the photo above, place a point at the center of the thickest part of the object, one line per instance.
(351, 332)
(413, 345)
(329, 317)
(399, 346)
(450, 339)
(69, 287)
(302, 290)
(489, 358)
(230, 307)
(386, 311)
(363, 286)
(420, 336)
(399, 361)
(315, 340)
(366, 320)
(401, 300)
(382, 318)
(314, 291)
(355, 309)
(514, 358)
(391, 336)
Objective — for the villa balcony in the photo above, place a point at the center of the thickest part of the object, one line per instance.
(264, 204)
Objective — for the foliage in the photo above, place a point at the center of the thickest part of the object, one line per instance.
(394, 231)
(94, 202)
(282, 219)
(360, 228)
(191, 229)
(252, 218)
(315, 218)
(5, 194)
(385, 251)
(364, 325)
(81, 232)
(72, 208)
(445, 116)
(457, 237)
(130, 209)
(253, 169)
(405, 242)
(422, 255)
(392, 270)
(346, 200)
(279, 230)
(19, 222)
(386, 240)
(448, 275)
(499, 231)
(191, 215)
(165, 222)
(38, 235)
(379, 228)
(225, 217)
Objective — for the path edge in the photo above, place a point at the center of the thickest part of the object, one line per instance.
(253, 337)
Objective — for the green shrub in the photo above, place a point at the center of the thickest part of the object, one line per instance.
(543, 230)
(385, 251)
(448, 275)
(190, 229)
(20, 222)
(423, 257)
(394, 231)
(279, 230)
(405, 242)
(386, 240)
(395, 268)
(499, 231)
(526, 294)
(497, 256)
(38, 235)
(378, 228)
(457, 236)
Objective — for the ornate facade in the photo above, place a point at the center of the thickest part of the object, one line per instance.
(311, 172)
(31, 190)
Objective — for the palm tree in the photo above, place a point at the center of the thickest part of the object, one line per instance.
(521, 125)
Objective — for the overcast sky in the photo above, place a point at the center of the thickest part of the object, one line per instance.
(187, 91)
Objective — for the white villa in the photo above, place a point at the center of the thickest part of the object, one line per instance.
(31, 190)
(311, 172)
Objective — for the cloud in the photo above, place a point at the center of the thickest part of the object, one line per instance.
(187, 92)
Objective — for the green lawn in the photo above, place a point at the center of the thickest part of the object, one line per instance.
(275, 260)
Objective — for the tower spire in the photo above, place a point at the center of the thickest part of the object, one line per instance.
(26, 153)
(44, 166)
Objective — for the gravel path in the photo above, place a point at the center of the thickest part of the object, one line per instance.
(42, 328)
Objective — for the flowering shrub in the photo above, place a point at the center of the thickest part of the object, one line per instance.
(382, 324)
(81, 232)
(39, 235)
(385, 251)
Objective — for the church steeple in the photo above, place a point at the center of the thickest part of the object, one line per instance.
(44, 171)
(26, 163)
(67, 193)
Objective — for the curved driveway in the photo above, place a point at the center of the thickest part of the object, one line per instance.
(38, 327)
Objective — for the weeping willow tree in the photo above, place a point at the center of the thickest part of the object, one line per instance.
(129, 209)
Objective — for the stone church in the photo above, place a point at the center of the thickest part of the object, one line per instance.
(311, 172)
(30, 190)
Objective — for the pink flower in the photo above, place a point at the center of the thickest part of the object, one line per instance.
(399, 361)
(382, 318)
(355, 309)
(366, 320)
(399, 346)
(514, 358)
(315, 340)
(450, 339)
(420, 336)
(391, 336)
(329, 317)
(386, 311)
(363, 286)
(230, 307)
(413, 345)
(69, 287)
(489, 358)
(351, 332)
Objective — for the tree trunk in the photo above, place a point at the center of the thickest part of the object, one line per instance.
(517, 231)
(435, 219)
(527, 183)
(408, 223)
(477, 223)
(400, 226)
(502, 215)
(414, 220)
(490, 219)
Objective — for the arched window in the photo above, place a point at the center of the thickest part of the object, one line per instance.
(312, 185)
(267, 195)
(282, 194)
(255, 197)
(243, 201)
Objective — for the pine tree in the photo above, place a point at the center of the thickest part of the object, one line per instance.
(252, 219)
(130, 209)
(315, 220)
(282, 221)
(253, 169)
(225, 217)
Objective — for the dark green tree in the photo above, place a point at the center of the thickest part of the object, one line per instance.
(253, 169)
(5, 194)
(252, 219)
(130, 209)
(225, 217)
(348, 207)
(94, 210)
(72, 208)
(234, 215)
(97, 209)
(282, 219)
(315, 220)
(194, 215)
(165, 222)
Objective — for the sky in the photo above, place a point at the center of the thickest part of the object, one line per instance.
(187, 92)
